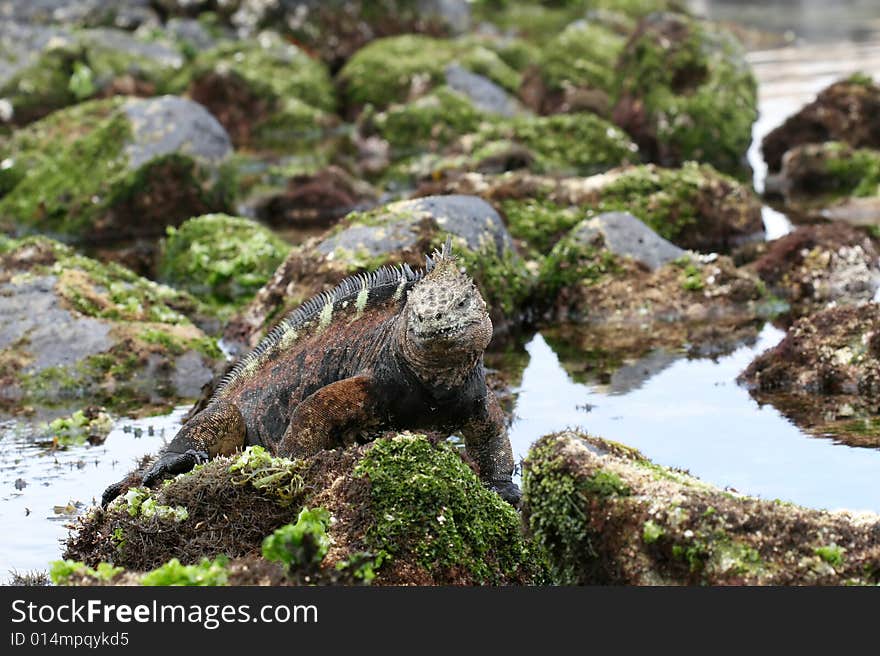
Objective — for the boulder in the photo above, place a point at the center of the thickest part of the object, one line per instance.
(686, 92)
(845, 111)
(604, 514)
(820, 265)
(825, 374)
(74, 332)
(129, 169)
(267, 93)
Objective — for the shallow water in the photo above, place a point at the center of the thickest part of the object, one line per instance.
(41, 489)
(691, 414)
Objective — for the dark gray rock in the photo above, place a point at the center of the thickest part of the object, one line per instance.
(626, 235)
(191, 32)
(31, 315)
(468, 217)
(170, 124)
(482, 92)
(146, 54)
(21, 45)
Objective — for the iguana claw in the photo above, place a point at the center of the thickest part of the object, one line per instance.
(507, 490)
(174, 463)
(168, 463)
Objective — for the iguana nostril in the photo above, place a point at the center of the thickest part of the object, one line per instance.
(438, 315)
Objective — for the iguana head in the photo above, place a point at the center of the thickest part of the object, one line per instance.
(446, 317)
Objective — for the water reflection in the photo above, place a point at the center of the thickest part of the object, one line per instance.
(692, 414)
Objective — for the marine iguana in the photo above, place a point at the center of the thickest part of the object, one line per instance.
(396, 349)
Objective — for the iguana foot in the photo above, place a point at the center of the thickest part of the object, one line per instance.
(174, 463)
(507, 490)
(168, 463)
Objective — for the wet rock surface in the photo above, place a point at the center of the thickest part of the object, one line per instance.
(637, 523)
(75, 332)
(818, 265)
(844, 112)
(825, 374)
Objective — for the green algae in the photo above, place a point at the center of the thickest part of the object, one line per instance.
(220, 258)
(426, 503)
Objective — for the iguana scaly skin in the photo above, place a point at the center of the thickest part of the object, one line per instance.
(396, 349)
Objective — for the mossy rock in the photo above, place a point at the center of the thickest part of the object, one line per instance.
(412, 506)
(604, 514)
(267, 93)
(77, 332)
(694, 207)
(685, 92)
(383, 72)
(219, 258)
(564, 144)
(78, 65)
(825, 374)
(429, 122)
(126, 174)
(843, 112)
(576, 70)
(820, 173)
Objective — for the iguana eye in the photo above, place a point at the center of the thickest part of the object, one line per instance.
(461, 303)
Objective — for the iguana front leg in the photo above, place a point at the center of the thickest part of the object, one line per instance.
(486, 442)
(329, 417)
(219, 429)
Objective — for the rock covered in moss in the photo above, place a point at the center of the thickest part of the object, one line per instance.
(690, 299)
(845, 111)
(396, 233)
(606, 515)
(394, 69)
(686, 93)
(134, 169)
(221, 258)
(825, 374)
(695, 207)
(72, 66)
(822, 172)
(124, 14)
(335, 29)
(570, 144)
(76, 332)
(575, 71)
(817, 265)
(410, 508)
(266, 92)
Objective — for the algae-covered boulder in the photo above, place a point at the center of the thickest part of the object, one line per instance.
(817, 174)
(71, 66)
(817, 265)
(606, 515)
(221, 258)
(686, 93)
(408, 507)
(266, 92)
(74, 332)
(397, 233)
(575, 71)
(334, 29)
(587, 277)
(695, 207)
(846, 111)
(825, 374)
(394, 69)
(141, 166)
(570, 144)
